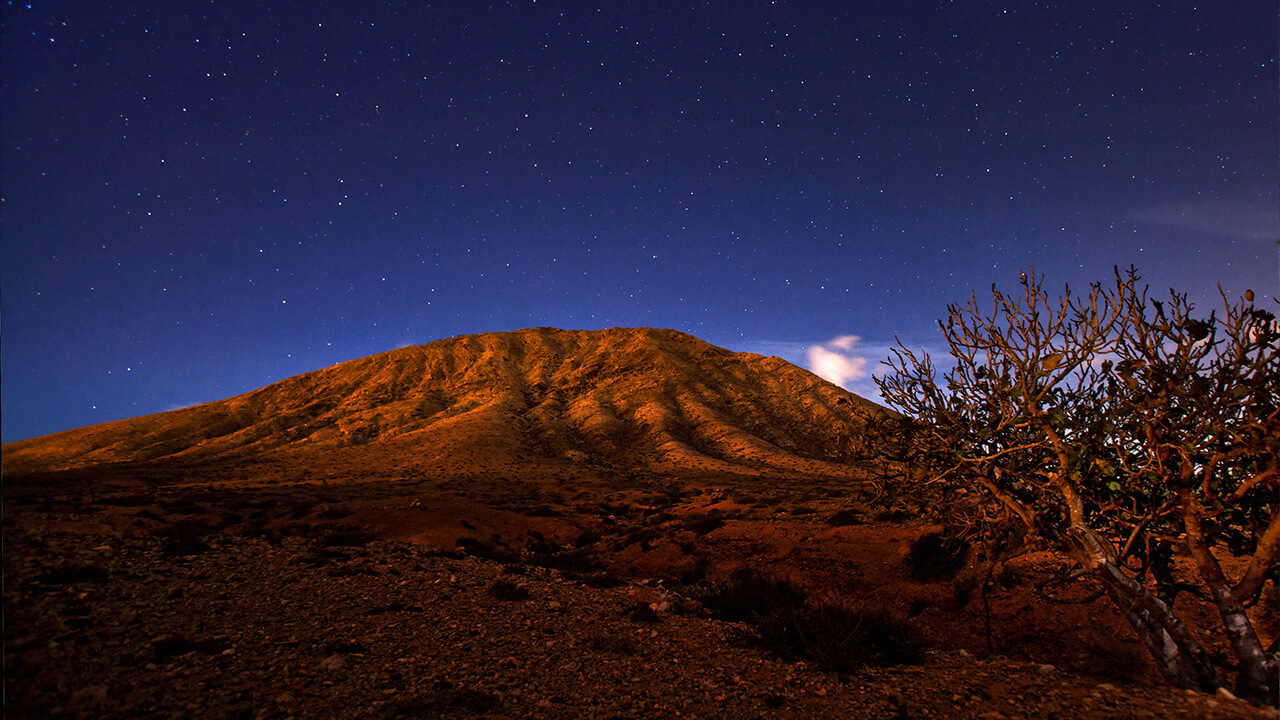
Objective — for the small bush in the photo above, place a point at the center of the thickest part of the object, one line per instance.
(937, 555)
(838, 637)
(845, 518)
(701, 524)
(507, 590)
(747, 593)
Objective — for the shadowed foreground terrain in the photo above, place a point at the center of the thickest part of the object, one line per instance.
(537, 524)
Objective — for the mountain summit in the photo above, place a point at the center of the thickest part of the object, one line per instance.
(655, 400)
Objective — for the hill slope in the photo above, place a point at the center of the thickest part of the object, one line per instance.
(637, 398)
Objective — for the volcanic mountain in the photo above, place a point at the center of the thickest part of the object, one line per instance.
(519, 402)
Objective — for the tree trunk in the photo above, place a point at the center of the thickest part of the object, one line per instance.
(1181, 660)
(1256, 679)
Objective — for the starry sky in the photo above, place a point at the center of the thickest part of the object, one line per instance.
(201, 198)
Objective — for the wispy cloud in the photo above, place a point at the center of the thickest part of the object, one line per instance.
(838, 360)
(845, 360)
(1247, 219)
(849, 362)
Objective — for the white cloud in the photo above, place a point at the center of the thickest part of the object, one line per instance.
(845, 360)
(837, 361)
(1244, 219)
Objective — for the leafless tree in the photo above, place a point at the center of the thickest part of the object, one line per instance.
(1128, 434)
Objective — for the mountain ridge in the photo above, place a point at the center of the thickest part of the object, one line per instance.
(636, 397)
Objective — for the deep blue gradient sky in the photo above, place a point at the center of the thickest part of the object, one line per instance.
(201, 198)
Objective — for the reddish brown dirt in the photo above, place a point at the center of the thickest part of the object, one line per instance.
(203, 563)
(657, 534)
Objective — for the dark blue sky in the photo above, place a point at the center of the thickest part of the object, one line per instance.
(201, 198)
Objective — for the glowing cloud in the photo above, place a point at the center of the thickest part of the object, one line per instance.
(836, 361)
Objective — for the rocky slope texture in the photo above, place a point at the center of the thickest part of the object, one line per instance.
(132, 626)
(635, 398)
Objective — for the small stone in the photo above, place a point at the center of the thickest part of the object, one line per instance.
(965, 653)
(91, 696)
(692, 607)
(508, 663)
(554, 605)
(332, 662)
(1105, 687)
(1046, 669)
(1225, 694)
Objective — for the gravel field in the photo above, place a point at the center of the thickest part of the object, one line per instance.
(242, 627)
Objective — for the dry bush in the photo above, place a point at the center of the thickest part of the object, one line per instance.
(937, 556)
(747, 593)
(507, 590)
(845, 518)
(839, 637)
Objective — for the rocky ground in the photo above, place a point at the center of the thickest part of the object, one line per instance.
(129, 625)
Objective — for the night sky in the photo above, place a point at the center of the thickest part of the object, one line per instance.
(202, 198)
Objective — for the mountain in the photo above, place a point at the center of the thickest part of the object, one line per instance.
(529, 400)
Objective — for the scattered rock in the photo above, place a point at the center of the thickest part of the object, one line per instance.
(333, 662)
(433, 641)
